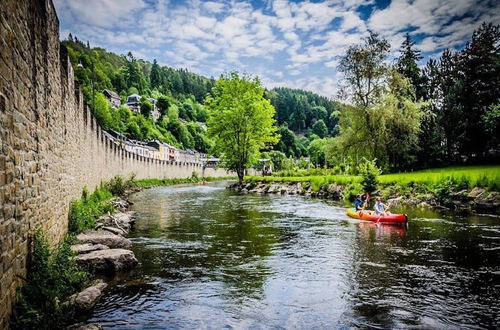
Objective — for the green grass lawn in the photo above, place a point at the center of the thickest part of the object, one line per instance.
(484, 176)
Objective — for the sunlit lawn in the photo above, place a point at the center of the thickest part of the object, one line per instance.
(487, 176)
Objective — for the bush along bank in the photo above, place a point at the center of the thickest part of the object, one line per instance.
(448, 193)
(58, 286)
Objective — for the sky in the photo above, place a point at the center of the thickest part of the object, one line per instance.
(294, 44)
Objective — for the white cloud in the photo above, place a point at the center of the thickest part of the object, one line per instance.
(298, 43)
(103, 13)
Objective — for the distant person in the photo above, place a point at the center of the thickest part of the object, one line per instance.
(380, 208)
(358, 203)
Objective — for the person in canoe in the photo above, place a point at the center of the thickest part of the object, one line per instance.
(380, 208)
(358, 203)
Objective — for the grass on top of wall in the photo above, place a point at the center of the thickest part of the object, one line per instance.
(468, 176)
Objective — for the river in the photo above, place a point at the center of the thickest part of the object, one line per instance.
(212, 258)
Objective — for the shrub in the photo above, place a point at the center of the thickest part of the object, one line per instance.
(118, 185)
(83, 213)
(369, 173)
(52, 277)
(352, 190)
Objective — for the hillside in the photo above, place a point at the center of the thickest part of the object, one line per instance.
(180, 95)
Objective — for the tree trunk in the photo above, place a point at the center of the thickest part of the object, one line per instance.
(241, 174)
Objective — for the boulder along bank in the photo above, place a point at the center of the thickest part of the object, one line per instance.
(103, 250)
(475, 200)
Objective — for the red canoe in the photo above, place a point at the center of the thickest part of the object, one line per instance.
(371, 216)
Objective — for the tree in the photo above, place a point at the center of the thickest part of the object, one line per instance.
(364, 71)
(287, 143)
(155, 75)
(451, 110)
(277, 159)
(163, 103)
(480, 64)
(240, 121)
(317, 153)
(102, 112)
(146, 107)
(319, 128)
(133, 73)
(408, 67)
(388, 130)
(369, 173)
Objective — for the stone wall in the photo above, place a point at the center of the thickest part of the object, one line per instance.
(50, 144)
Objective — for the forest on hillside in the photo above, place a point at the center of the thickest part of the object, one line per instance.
(180, 96)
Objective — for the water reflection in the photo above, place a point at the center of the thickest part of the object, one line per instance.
(211, 258)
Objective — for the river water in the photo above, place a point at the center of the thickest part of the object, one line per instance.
(212, 258)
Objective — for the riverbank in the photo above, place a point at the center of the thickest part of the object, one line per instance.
(447, 195)
(61, 283)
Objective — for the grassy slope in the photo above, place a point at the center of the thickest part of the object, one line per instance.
(485, 176)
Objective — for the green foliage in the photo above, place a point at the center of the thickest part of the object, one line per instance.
(387, 130)
(145, 183)
(369, 173)
(84, 212)
(277, 159)
(353, 189)
(240, 121)
(146, 107)
(163, 103)
(317, 153)
(102, 111)
(364, 69)
(407, 65)
(174, 89)
(298, 109)
(319, 128)
(51, 277)
(118, 185)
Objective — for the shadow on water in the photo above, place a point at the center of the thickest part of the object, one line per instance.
(212, 258)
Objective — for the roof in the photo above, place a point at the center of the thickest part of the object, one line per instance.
(110, 93)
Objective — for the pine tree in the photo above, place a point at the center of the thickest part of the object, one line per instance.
(155, 75)
(408, 67)
(480, 62)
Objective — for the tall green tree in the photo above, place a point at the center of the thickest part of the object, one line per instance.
(365, 70)
(450, 108)
(430, 151)
(155, 76)
(146, 107)
(163, 103)
(133, 73)
(319, 128)
(241, 121)
(407, 65)
(480, 63)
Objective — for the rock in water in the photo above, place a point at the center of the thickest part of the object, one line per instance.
(87, 247)
(86, 299)
(83, 326)
(105, 238)
(108, 261)
(114, 230)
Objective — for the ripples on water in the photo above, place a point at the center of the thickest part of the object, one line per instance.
(210, 258)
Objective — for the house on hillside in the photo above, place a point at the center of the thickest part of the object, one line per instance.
(113, 98)
(134, 103)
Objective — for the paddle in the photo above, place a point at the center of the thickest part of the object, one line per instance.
(365, 203)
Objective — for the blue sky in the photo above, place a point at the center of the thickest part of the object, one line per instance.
(286, 43)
